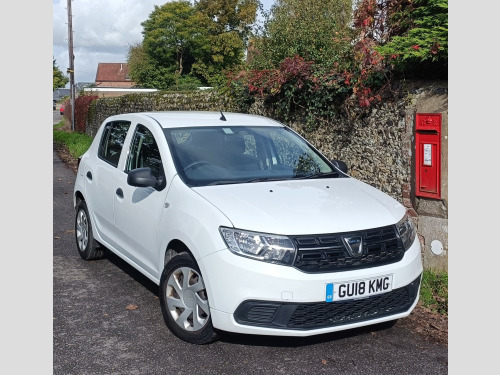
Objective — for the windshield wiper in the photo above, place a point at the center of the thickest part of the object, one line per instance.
(258, 179)
(317, 175)
(225, 182)
(264, 179)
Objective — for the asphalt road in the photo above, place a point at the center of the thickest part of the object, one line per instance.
(96, 332)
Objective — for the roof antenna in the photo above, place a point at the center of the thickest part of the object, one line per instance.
(222, 117)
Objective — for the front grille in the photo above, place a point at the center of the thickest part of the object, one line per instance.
(327, 314)
(328, 252)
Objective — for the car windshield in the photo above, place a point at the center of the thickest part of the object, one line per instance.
(243, 154)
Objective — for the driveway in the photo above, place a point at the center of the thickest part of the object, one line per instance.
(107, 320)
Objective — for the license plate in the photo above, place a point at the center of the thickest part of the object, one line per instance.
(358, 289)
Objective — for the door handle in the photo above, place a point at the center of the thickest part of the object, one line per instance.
(89, 175)
(119, 193)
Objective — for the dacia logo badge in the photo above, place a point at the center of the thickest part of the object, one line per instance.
(354, 245)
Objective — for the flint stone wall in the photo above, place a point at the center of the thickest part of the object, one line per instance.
(377, 146)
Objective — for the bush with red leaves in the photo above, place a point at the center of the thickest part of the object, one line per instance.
(82, 104)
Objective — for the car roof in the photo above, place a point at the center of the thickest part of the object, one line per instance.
(177, 119)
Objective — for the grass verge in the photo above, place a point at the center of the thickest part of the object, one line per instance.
(76, 143)
(434, 291)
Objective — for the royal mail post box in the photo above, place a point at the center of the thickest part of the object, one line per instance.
(428, 155)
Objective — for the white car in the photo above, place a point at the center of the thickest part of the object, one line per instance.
(244, 226)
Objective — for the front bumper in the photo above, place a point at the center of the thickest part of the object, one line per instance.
(306, 316)
(253, 297)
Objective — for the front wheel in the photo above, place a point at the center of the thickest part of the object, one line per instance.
(184, 301)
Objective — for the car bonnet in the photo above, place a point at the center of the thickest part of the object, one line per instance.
(304, 206)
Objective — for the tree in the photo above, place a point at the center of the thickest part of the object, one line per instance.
(317, 30)
(228, 16)
(188, 44)
(229, 26)
(59, 80)
(146, 72)
(173, 36)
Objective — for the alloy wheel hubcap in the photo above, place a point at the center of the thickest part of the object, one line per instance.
(187, 299)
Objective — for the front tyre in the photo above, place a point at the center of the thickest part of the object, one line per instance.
(87, 246)
(184, 301)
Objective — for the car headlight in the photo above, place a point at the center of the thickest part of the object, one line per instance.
(406, 230)
(260, 246)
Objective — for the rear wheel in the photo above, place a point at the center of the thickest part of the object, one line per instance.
(184, 301)
(88, 248)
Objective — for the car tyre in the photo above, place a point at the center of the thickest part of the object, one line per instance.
(184, 301)
(88, 247)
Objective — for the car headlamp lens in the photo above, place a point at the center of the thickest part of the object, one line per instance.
(261, 246)
(406, 230)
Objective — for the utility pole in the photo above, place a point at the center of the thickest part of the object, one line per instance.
(71, 69)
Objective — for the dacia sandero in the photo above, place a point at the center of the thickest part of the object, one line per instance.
(244, 226)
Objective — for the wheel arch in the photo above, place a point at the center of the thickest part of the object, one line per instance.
(175, 247)
(77, 198)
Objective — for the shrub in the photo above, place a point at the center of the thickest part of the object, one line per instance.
(411, 36)
(82, 104)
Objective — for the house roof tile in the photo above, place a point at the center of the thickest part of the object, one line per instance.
(112, 72)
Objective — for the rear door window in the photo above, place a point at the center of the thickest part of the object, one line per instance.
(112, 141)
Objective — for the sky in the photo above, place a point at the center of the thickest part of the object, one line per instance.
(103, 31)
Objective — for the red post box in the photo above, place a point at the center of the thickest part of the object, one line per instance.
(428, 155)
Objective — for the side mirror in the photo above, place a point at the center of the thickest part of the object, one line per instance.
(340, 165)
(141, 177)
